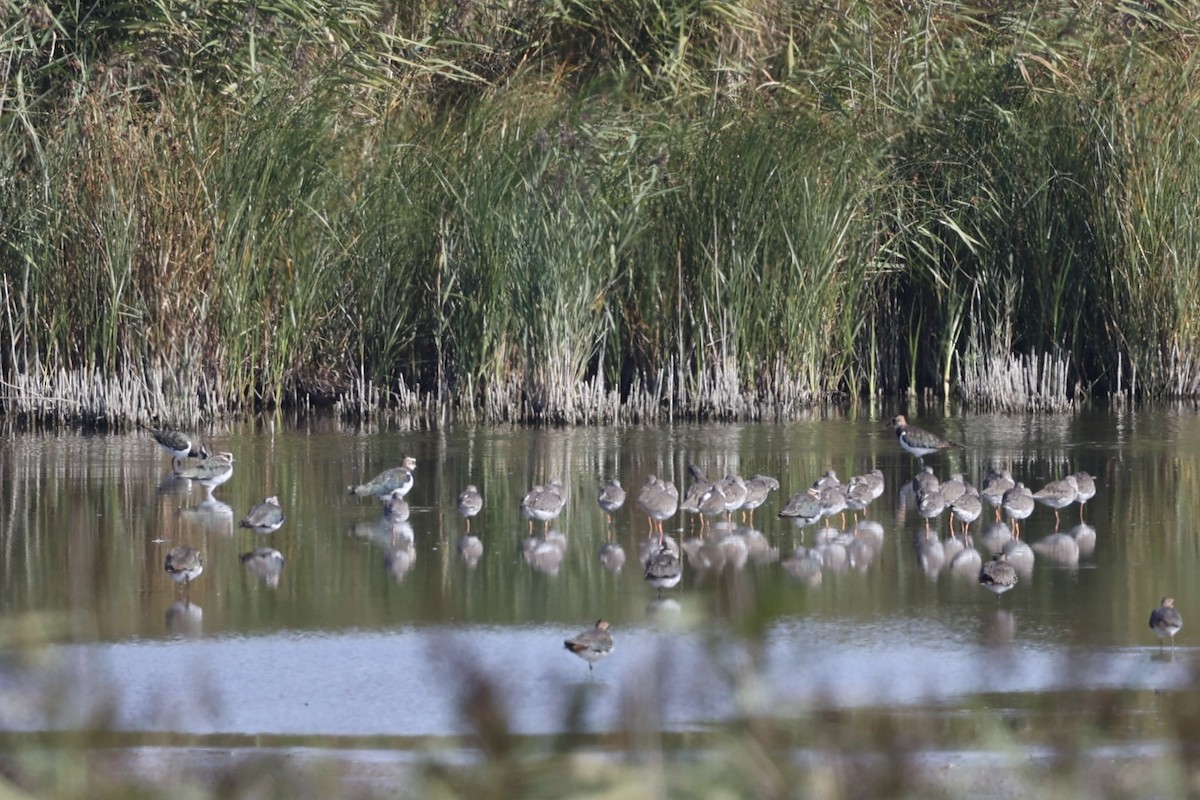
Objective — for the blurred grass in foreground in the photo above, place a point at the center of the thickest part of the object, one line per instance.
(1076, 743)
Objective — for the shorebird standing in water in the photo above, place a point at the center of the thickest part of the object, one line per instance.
(1018, 503)
(804, 508)
(209, 471)
(733, 487)
(858, 496)
(179, 445)
(757, 489)
(611, 498)
(544, 504)
(660, 500)
(591, 645)
(998, 575)
(930, 504)
(995, 484)
(389, 480)
(469, 503)
(184, 564)
(966, 509)
(1087, 490)
(712, 503)
(1166, 621)
(265, 517)
(1058, 494)
(919, 441)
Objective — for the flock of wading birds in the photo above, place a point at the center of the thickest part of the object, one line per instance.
(660, 500)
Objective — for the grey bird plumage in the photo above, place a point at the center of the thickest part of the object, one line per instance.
(591, 645)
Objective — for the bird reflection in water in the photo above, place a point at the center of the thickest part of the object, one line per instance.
(212, 515)
(803, 566)
(998, 627)
(265, 563)
(470, 549)
(185, 618)
(1059, 548)
(1085, 537)
(545, 554)
(931, 554)
(400, 560)
(967, 562)
(612, 557)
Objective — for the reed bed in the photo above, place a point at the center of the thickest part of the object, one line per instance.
(100, 399)
(1006, 382)
(597, 212)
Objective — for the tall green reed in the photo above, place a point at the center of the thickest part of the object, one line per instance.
(730, 211)
(1153, 238)
(537, 236)
(277, 210)
(775, 255)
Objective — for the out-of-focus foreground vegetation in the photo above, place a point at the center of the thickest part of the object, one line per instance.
(1070, 744)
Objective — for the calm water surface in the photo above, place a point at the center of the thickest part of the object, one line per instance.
(353, 641)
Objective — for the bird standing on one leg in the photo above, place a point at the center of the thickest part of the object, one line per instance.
(591, 645)
(469, 503)
(184, 564)
(997, 575)
(610, 498)
(1166, 621)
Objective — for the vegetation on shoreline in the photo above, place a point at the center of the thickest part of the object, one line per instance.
(594, 212)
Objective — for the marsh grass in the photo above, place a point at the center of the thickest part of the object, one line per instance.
(770, 235)
(597, 212)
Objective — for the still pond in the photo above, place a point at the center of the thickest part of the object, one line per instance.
(355, 638)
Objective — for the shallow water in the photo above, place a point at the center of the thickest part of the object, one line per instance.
(345, 646)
